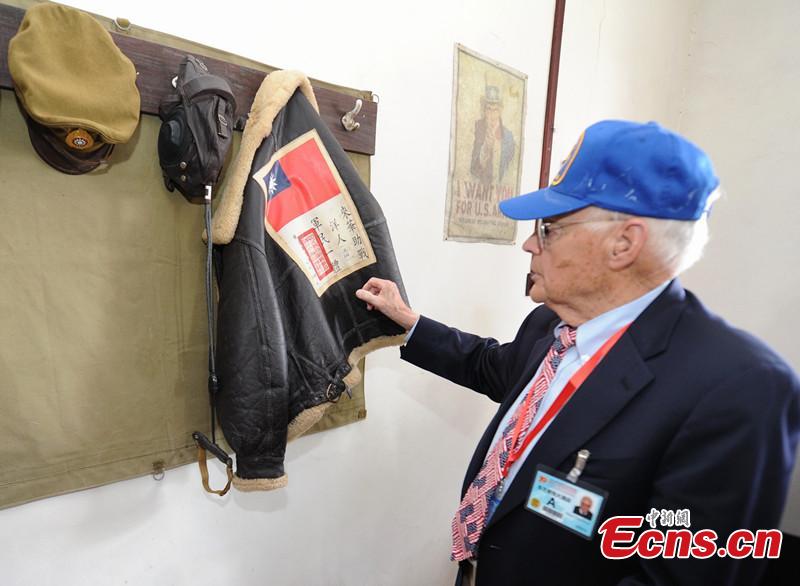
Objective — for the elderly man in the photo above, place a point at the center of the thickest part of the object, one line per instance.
(585, 508)
(621, 385)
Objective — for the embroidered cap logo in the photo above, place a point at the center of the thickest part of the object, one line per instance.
(562, 172)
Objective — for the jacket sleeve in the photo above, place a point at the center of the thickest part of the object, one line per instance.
(481, 364)
(730, 465)
(253, 397)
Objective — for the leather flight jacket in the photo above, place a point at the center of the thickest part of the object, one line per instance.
(296, 233)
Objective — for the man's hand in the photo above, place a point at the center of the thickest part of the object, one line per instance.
(384, 296)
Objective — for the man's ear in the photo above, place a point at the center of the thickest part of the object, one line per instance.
(626, 243)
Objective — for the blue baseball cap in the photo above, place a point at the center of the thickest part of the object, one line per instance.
(638, 169)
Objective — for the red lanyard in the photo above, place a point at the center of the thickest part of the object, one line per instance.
(569, 389)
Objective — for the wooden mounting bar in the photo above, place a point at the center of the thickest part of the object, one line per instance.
(156, 65)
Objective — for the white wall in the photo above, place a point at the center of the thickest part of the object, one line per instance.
(726, 73)
(620, 59)
(371, 503)
(741, 104)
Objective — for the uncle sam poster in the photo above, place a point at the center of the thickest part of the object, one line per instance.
(488, 118)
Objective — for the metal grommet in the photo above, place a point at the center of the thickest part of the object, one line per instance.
(158, 470)
(182, 165)
(123, 25)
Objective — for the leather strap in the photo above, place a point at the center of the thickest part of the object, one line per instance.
(201, 461)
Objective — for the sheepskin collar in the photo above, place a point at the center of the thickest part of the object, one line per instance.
(275, 91)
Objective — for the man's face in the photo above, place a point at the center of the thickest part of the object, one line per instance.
(492, 113)
(568, 267)
(586, 504)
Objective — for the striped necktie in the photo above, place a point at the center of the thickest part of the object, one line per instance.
(470, 518)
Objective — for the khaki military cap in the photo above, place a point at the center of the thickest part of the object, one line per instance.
(77, 89)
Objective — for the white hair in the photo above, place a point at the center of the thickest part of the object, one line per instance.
(678, 244)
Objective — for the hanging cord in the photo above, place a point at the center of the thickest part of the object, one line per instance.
(213, 382)
(203, 443)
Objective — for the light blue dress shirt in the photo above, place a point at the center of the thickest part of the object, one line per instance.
(590, 336)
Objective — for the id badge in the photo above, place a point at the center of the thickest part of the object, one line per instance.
(575, 506)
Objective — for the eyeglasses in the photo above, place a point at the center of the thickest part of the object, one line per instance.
(544, 230)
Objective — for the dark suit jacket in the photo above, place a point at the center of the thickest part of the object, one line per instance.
(684, 412)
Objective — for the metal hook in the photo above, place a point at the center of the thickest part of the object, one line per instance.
(348, 120)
